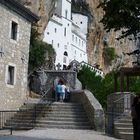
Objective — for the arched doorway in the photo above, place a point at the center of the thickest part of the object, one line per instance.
(65, 60)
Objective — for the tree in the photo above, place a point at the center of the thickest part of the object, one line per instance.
(121, 15)
(38, 51)
(102, 87)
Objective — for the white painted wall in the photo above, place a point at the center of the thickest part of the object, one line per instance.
(59, 33)
(81, 21)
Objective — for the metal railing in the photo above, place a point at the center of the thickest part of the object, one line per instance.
(26, 116)
(119, 108)
(7, 120)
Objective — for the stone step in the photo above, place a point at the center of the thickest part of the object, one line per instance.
(124, 129)
(59, 122)
(77, 119)
(63, 109)
(123, 120)
(63, 126)
(65, 112)
(18, 127)
(15, 125)
(126, 125)
(66, 115)
(65, 104)
(58, 115)
(28, 120)
(126, 135)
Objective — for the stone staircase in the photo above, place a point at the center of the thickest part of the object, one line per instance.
(64, 115)
(123, 128)
(56, 115)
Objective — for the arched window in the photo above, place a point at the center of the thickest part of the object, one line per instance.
(65, 53)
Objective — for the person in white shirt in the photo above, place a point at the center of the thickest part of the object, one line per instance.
(63, 89)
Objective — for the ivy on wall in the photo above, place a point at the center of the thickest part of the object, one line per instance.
(38, 51)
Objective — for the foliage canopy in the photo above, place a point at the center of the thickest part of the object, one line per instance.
(102, 87)
(121, 15)
(38, 51)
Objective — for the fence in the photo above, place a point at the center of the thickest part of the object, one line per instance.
(119, 105)
(25, 117)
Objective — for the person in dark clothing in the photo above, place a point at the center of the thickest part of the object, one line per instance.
(134, 116)
(137, 108)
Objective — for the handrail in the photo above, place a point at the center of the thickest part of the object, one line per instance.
(45, 93)
(118, 99)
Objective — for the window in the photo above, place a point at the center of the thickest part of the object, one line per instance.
(79, 42)
(72, 37)
(10, 78)
(65, 53)
(76, 39)
(65, 32)
(58, 45)
(65, 57)
(55, 30)
(82, 43)
(52, 42)
(66, 14)
(14, 28)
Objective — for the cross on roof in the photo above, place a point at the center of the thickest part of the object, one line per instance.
(58, 66)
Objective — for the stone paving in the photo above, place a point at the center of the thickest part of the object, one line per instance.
(54, 134)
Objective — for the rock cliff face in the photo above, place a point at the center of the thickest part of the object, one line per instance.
(97, 38)
(43, 8)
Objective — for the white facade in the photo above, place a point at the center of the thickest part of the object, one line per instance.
(81, 21)
(67, 38)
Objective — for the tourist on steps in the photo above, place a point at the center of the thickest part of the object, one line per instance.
(58, 91)
(67, 93)
(63, 89)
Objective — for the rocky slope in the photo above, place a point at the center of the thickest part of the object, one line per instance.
(98, 39)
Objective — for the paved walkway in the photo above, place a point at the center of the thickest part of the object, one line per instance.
(54, 134)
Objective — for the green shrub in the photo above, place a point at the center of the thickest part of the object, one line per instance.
(102, 87)
(38, 51)
(109, 55)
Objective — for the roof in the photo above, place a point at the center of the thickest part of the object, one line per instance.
(20, 9)
(127, 71)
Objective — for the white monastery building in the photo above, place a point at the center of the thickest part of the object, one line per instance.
(67, 32)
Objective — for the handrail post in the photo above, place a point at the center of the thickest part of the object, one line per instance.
(11, 130)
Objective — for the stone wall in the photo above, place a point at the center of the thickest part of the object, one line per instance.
(92, 107)
(45, 80)
(15, 53)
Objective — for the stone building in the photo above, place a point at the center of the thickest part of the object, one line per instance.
(15, 29)
(67, 33)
